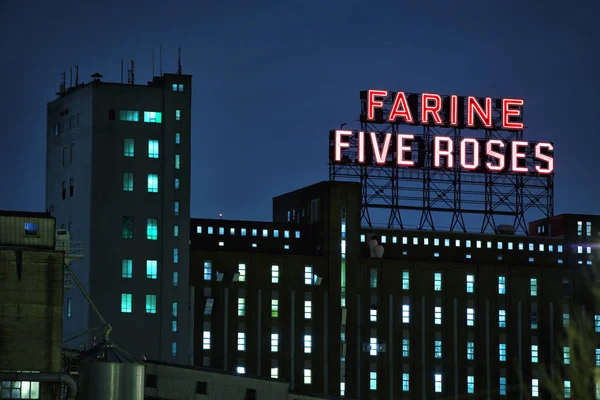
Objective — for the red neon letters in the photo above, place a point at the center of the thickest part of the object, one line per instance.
(473, 154)
(479, 112)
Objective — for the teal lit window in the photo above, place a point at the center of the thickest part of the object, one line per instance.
(178, 87)
(176, 230)
(129, 115)
(69, 307)
(175, 278)
(178, 115)
(174, 349)
(178, 138)
(152, 229)
(150, 304)
(151, 269)
(153, 117)
(126, 303)
(174, 326)
(175, 309)
(128, 182)
(176, 208)
(128, 147)
(177, 161)
(126, 269)
(175, 256)
(502, 386)
(152, 148)
(177, 183)
(127, 231)
(152, 183)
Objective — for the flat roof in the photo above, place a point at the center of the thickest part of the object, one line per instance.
(25, 214)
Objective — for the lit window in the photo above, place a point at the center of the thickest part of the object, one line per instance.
(178, 138)
(533, 287)
(307, 376)
(437, 349)
(126, 269)
(307, 309)
(126, 303)
(177, 183)
(597, 323)
(177, 161)
(502, 352)
(362, 238)
(151, 269)
(173, 326)
(128, 147)
(221, 230)
(152, 183)
(240, 370)
(175, 308)
(598, 357)
(128, 182)
(275, 233)
(373, 278)
(502, 318)
(152, 229)
(438, 383)
(567, 385)
(437, 318)
(372, 380)
(174, 349)
(243, 231)
(588, 228)
(579, 228)
(274, 308)
(206, 340)
(501, 285)
(177, 115)
(274, 373)
(470, 350)
(307, 344)
(535, 390)
(207, 270)
(176, 230)
(405, 280)
(241, 341)
(405, 382)
(129, 115)
(566, 318)
(405, 313)
(373, 346)
(127, 231)
(502, 386)
(470, 283)
(534, 320)
(405, 348)
(176, 208)
(241, 307)
(534, 353)
(275, 273)
(175, 278)
(470, 384)
(242, 272)
(437, 281)
(178, 87)
(297, 234)
(152, 148)
(286, 234)
(150, 304)
(567, 355)
(579, 249)
(153, 117)
(470, 317)
(308, 275)
(373, 315)
(265, 233)
(274, 342)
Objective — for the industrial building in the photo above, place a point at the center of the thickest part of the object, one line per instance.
(338, 309)
(118, 180)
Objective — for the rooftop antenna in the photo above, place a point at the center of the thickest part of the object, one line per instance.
(179, 60)
(160, 49)
(70, 78)
(132, 73)
(63, 83)
(121, 70)
(152, 63)
(76, 75)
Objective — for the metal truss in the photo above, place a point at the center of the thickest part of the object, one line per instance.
(430, 190)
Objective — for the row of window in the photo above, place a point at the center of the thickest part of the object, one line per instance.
(66, 124)
(243, 232)
(151, 270)
(153, 117)
(588, 228)
(128, 180)
(71, 187)
(153, 147)
(310, 278)
(151, 229)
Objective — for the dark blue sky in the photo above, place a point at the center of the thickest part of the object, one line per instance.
(272, 77)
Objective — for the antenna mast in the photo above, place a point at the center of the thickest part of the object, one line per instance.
(132, 73)
(179, 60)
(121, 69)
(76, 75)
(160, 49)
(152, 63)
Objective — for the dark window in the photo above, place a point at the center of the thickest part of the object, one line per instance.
(151, 381)
(71, 150)
(31, 228)
(250, 394)
(112, 114)
(201, 388)
(71, 188)
(64, 190)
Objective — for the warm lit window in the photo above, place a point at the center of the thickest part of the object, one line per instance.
(501, 285)
(150, 304)
(152, 229)
(151, 269)
(241, 307)
(128, 147)
(206, 340)
(153, 117)
(275, 273)
(242, 272)
(152, 148)
(152, 183)
(126, 269)
(307, 309)
(437, 281)
(470, 283)
(308, 275)
(207, 270)
(127, 231)
(128, 182)
(307, 344)
(241, 341)
(274, 342)
(126, 303)
(437, 315)
(470, 317)
(502, 318)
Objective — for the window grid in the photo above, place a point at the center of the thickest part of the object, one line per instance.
(275, 273)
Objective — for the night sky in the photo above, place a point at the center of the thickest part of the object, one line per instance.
(272, 77)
